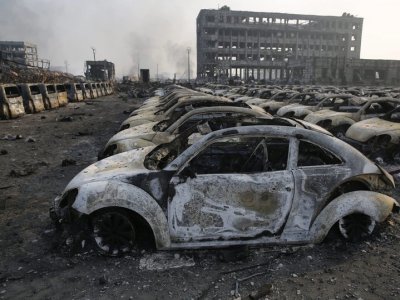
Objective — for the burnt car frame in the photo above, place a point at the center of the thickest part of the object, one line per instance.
(155, 133)
(341, 116)
(306, 106)
(378, 136)
(33, 98)
(11, 102)
(238, 186)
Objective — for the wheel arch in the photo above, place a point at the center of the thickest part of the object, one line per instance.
(342, 122)
(351, 185)
(376, 205)
(99, 195)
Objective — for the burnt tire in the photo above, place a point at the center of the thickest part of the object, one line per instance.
(340, 131)
(113, 232)
(356, 227)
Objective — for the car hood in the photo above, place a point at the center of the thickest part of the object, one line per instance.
(144, 131)
(325, 114)
(364, 130)
(141, 119)
(297, 108)
(116, 167)
(312, 126)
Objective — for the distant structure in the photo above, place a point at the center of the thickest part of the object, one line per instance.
(145, 75)
(285, 47)
(22, 53)
(100, 70)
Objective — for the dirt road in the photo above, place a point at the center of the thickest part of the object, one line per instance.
(55, 145)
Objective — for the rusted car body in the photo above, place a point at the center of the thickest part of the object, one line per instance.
(74, 91)
(308, 105)
(32, 98)
(62, 95)
(104, 88)
(49, 94)
(96, 93)
(279, 96)
(109, 88)
(175, 108)
(100, 91)
(155, 133)
(377, 136)
(273, 105)
(11, 102)
(342, 115)
(86, 90)
(237, 186)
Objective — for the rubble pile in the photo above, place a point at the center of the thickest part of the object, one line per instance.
(14, 73)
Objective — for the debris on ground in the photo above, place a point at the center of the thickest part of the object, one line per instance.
(68, 162)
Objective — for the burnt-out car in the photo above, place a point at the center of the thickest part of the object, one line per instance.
(50, 96)
(348, 111)
(62, 95)
(308, 105)
(177, 108)
(155, 133)
(379, 136)
(11, 102)
(237, 186)
(33, 99)
(274, 104)
(74, 92)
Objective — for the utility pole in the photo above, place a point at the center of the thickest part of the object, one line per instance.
(94, 53)
(138, 67)
(157, 73)
(188, 51)
(66, 66)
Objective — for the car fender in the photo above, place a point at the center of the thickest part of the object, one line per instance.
(341, 121)
(101, 194)
(376, 205)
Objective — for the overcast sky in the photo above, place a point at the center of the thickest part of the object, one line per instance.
(159, 32)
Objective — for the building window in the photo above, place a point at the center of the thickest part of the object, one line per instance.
(210, 18)
(352, 48)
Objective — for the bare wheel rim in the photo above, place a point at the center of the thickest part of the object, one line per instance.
(356, 227)
(113, 233)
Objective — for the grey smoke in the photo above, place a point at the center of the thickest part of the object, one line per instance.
(123, 32)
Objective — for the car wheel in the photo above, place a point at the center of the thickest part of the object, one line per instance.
(113, 232)
(356, 227)
(289, 115)
(340, 131)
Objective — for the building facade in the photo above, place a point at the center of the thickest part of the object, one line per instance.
(100, 70)
(22, 53)
(271, 46)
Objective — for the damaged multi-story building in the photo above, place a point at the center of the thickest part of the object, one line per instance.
(100, 70)
(22, 53)
(286, 47)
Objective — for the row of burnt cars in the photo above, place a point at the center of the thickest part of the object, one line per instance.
(17, 100)
(367, 118)
(193, 170)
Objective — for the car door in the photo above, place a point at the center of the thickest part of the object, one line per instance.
(238, 187)
(317, 173)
